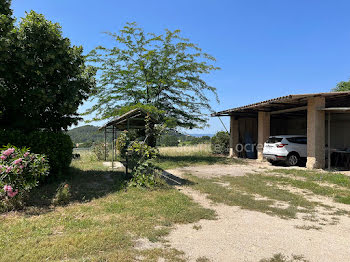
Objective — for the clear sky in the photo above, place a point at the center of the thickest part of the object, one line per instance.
(265, 48)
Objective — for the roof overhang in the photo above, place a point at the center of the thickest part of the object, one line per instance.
(134, 119)
(285, 103)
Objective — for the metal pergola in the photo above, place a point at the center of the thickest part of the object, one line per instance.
(134, 119)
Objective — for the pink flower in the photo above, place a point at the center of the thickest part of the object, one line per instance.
(8, 169)
(3, 157)
(17, 161)
(26, 154)
(21, 166)
(7, 188)
(12, 194)
(43, 159)
(8, 151)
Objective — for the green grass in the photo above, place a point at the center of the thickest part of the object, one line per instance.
(271, 193)
(281, 258)
(242, 192)
(316, 182)
(102, 222)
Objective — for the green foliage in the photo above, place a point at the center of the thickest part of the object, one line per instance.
(6, 26)
(199, 140)
(160, 71)
(220, 142)
(20, 171)
(57, 147)
(122, 143)
(44, 79)
(144, 172)
(100, 150)
(342, 86)
(140, 160)
(63, 195)
(169, 140)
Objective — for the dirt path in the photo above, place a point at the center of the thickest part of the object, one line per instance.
(243, 235)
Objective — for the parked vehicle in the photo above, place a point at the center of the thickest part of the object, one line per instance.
(291, 149)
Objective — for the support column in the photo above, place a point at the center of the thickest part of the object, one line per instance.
(234, 136)
(263, 132)
(315, 133)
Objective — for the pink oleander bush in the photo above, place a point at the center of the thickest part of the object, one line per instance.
(20, 171)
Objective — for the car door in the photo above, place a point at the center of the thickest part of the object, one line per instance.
(300, 145)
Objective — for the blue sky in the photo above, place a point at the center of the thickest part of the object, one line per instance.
(265, 48)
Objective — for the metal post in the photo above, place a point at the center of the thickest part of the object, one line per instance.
(112, 147)
(105, 143)
(329, 140)
(127, 157)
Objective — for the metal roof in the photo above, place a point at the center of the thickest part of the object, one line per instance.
(136, 119)
(286, 102)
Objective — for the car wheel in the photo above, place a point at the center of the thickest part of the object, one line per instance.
(293, 159)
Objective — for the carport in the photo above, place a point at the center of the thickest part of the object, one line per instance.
(323, 117)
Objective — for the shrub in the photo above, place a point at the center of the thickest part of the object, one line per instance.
(99, 150)
(144, 172)
(122, 143)
(220, 143)
(20, 171)
(140, 160)
(63, 195)
(169, 140)
(58, 147)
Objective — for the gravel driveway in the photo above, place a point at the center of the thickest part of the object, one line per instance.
(244, 235)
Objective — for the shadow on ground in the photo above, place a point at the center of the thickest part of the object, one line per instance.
(175, 180)
(85, 185)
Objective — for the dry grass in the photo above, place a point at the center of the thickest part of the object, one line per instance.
(173, 157)
(201, 149)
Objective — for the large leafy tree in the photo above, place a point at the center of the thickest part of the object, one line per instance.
(159, 71)
(44, 79)
(6, 26)
(342, 86)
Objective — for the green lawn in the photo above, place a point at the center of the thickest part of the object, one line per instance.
(102, 222)
(264, 192)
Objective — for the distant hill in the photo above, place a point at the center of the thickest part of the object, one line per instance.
(85, 134)
(200, 135)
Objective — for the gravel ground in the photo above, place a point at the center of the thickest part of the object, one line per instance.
(243, 235)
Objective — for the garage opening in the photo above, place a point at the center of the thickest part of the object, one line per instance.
(322, 118)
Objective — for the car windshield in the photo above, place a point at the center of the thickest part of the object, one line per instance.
(273, 140)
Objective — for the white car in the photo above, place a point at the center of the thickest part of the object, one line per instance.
(289, 149)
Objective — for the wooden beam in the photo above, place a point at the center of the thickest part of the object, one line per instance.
(295, 109)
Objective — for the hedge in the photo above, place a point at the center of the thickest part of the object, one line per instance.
(58, 147)
(220, 143)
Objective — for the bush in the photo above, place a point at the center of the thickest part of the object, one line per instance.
(122, 143)
(169, 140)
(63, 195)
(220, 143)
(58, 147)
(144, 172)
(99, 150)
(140, 161)
(20, 171)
